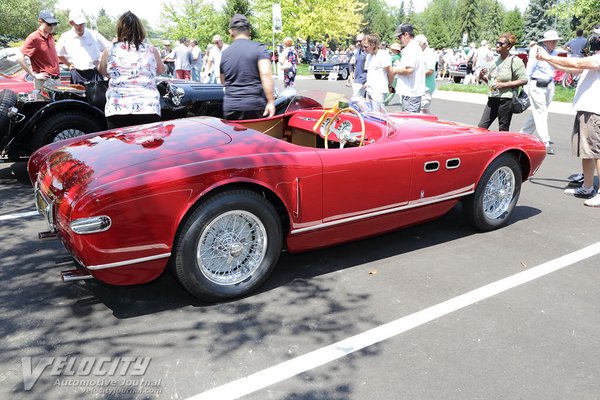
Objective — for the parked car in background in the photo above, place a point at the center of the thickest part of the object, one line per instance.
(13, 77)
(457, 71)
(218, 201)
(336, 63)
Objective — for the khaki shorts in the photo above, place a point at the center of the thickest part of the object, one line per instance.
(585, 141)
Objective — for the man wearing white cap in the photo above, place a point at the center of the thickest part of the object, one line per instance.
(80, 49)
(540, 89)
(430, 57)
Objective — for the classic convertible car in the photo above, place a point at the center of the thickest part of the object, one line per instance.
(219, 200)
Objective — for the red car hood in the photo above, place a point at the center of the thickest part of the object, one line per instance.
(122, 153)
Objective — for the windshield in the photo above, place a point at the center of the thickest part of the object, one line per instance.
(8, 66)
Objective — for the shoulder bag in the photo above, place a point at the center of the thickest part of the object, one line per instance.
(520, 100)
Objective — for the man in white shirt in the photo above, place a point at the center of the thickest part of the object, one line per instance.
(585, 140)
(213, 65)
(80, 49)
(483, 56)
(411, 72)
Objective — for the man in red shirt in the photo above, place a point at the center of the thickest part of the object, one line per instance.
(39, 47)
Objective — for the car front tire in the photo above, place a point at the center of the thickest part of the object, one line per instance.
(228, 246)
(496, 194)
(318, 76)
(64, 125)
(344, 74)
(8, 99)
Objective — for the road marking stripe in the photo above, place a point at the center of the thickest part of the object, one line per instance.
(19, 215)
(316, 358)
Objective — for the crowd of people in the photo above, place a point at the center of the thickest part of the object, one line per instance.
(407, 68)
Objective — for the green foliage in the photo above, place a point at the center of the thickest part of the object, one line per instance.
(192, 19)
(468, 15)
(316, 19)
(232, 7)
(537, 19)
(513, 22)
(378, 18)
(435, 18)
(18, 18)
(491, 22)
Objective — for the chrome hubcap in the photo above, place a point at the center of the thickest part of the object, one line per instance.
(499, 193)
(232, 247)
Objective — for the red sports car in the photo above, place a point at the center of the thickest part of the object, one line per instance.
(218, 200)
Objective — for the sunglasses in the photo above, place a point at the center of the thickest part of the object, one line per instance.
(501, 43)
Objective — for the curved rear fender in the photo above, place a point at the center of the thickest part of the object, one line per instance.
(264, 191)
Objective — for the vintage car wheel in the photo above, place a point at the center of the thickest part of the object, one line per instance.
(344, 74)
(64, 125)
(496, 195)
(8, 99)
(318, 76)
(228, 246)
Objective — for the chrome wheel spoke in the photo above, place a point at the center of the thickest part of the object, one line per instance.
(232, 247)
(499, 192)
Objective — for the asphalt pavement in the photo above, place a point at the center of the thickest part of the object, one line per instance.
(435, 311)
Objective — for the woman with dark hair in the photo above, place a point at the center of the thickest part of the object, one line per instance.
(502, 76)
(132, 65)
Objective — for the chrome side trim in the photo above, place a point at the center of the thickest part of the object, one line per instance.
(128, 262)
(378, 213)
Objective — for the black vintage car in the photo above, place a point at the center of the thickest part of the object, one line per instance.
(336, 63)
(27, 124)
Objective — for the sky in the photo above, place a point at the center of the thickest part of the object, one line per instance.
(150, 9)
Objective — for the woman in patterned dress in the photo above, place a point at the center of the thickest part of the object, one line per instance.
(289, 61)
(132, 66)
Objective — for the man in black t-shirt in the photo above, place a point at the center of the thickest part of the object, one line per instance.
(246, 75)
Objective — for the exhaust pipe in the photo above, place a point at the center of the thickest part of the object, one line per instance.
(76, 274)
(47, 235)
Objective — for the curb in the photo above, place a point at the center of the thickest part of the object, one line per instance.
(475, 98)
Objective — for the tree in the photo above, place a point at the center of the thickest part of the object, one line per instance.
(320, 19)
(491, 23)
(191, 19)
(468, 15)
(378, 19)
(537, 20)
(513, 22)
(232, 7)
(437, 25)
(18, 18)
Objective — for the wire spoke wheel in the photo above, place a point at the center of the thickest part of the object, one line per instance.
(232, 247)
(499, 193)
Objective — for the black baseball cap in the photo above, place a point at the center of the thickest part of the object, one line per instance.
(404, 28)
(239, 21)
(48, 16)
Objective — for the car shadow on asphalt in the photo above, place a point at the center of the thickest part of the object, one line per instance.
(293, 270)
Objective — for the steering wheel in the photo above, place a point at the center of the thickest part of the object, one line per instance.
(343, 136)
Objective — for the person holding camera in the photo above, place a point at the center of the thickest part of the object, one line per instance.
(540, 89)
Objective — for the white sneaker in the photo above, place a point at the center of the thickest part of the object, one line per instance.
(581, 192)
(593, 202)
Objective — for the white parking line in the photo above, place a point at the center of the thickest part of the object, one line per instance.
(19, 215)
(316, 358)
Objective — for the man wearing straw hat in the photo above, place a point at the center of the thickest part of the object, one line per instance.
(540, 89)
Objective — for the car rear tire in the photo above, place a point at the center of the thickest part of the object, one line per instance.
(344, 74)
(8, 99)
(64, 125)
(457, 79)
(228, 246)
(318, 76)
(496, 194)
